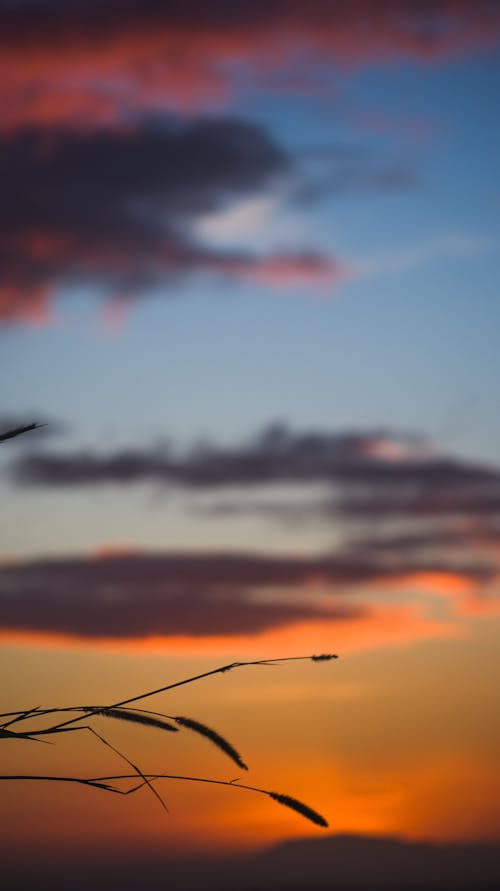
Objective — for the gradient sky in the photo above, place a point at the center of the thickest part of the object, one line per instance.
(249, 280)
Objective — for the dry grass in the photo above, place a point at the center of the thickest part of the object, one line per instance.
(125, 784)
(121, 783)
(16, 431)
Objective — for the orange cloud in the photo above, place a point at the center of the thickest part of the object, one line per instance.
(480, 603)
(445, 582)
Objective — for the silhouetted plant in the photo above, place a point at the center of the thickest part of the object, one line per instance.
(123, 784)
(144, 717)
(16, 431)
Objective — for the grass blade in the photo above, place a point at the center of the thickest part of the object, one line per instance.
(122, 714)
(215, 737)
(300, 807)
(16, 431)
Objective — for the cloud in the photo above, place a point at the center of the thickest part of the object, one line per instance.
(101, 64)
(447, 502)
(124, 596)
(395, 499)
(430, 538)
(118, 210)
(141, 597)
(406, 464)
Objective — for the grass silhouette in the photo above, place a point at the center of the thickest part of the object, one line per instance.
(17, 431)
(13, 724)
(151, 719)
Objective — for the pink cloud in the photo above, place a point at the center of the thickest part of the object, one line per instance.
(75, 67)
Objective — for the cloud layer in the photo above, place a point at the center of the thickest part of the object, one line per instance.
(102, 185)
(407, 465)
(401, 507)
(198, 595)
(101, 64)
(411, 519)
(115, 210)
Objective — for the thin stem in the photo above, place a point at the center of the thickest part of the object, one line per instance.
(221, 670)
(96, 783)
(103, 783)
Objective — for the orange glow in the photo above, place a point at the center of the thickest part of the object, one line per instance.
(382, 742)
(437, 582)
(446, 583)
(445, 798)
(388, 626)
(451, 796)
(480, 604)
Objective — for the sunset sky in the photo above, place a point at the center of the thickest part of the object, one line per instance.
(249, 264)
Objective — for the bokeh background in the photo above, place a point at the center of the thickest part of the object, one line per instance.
(249, 281)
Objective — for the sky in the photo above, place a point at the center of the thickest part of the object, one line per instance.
(248, 284)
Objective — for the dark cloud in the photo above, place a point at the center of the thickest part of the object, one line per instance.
(382, 507)
(173, 167)
(279, 455)
(390, 495)
(461, 501)
(116, 210)
(189, 594)
(159, 595)
(431, 538)
(102, 62)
